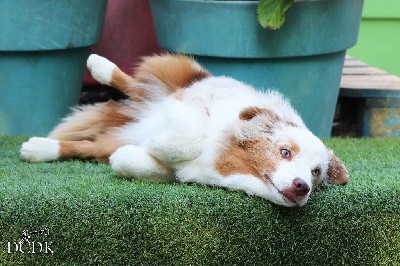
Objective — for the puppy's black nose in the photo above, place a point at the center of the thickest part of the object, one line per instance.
(300, 187)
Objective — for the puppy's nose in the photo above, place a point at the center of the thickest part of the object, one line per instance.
(300, 187)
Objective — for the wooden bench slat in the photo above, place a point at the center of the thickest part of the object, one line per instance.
(352, 62)
(363, 71)
(370, 82)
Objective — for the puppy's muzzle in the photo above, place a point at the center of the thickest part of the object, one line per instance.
(298, 190)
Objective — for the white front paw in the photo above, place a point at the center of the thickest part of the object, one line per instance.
(134, 162)
(121, 161)
(40, 150)
(174, 148)
(101, 68)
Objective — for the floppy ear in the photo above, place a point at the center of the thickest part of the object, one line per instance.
(337, 172)
(256, 121)
(250, 112)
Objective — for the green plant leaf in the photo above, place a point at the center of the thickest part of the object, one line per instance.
(271, 13)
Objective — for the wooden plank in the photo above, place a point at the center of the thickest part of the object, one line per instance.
(376, 82)
(351, 70)
(354, 62)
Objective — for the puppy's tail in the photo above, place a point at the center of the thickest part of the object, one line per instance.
(155, 77)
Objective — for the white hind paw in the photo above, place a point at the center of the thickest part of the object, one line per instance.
(101, 68)
(40, 150)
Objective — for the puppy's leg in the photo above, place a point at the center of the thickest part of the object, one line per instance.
(134, 162)
(106, 72)
(98, 150)
(46, 149)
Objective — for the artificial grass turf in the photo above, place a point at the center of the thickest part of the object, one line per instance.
(98, 219)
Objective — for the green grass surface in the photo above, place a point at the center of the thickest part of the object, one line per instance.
(97, 219)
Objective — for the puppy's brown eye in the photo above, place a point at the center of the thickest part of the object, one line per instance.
(286, 153)
(316, 171)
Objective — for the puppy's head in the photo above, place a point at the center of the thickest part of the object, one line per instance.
(277, 159)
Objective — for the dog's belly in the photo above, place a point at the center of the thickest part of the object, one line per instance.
(168, 115)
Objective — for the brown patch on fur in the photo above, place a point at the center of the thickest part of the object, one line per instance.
(100, 149)
(90, 121)
(337, 172)
(248, 158)
(249, 112)
(121, 81)
(294, 148)
(235, 160)
(174, 71)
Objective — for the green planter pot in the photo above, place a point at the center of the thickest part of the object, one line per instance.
(303, 59)
(43, 50)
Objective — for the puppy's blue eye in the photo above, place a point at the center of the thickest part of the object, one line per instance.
(286, 153)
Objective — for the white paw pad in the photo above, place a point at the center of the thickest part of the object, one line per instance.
(40, 150)
(101, 68)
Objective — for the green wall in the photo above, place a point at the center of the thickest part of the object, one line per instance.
(379, 38)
